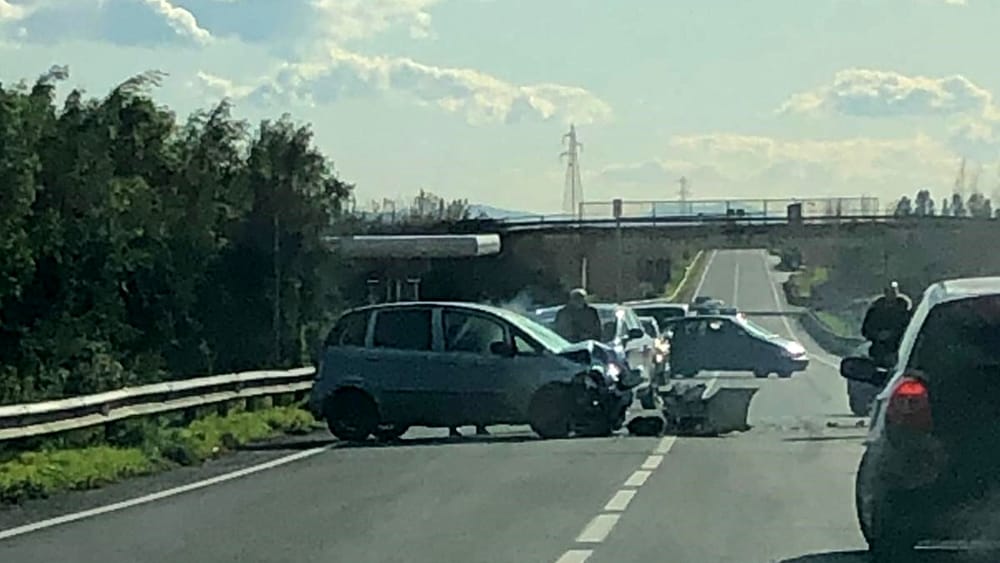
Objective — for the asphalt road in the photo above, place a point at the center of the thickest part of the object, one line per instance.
(780, 492)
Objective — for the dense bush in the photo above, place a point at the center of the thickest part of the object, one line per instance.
(134, 247)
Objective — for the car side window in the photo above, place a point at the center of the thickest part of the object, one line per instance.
(350, 330)
(464, 332)
(403, 329)
(525, 348)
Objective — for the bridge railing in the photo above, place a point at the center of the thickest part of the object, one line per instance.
(749, 208)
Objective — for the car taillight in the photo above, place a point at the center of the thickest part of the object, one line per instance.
(909, 405)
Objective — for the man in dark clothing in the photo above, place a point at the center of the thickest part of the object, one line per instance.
(885, 322)
(578, 320)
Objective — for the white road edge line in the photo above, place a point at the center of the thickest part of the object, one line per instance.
(784, 319)
(638, 478)
(575, 556)
(652, 462)
(619, 502)
(704, 273)
(598, 529)
(145, 499)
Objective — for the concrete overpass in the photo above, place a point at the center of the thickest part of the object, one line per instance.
(627, 255)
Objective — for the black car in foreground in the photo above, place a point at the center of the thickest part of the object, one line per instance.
(931, 467)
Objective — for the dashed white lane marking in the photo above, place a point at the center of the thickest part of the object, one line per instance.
(67, 518)
(736, 285)
(638, 478)
(575, 556)
(652, 462)
(598, 529)
(619, 502)
(665, 444)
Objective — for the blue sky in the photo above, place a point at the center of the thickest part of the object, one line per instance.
(470, 98)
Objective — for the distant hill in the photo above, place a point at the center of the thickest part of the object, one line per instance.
(478, 210)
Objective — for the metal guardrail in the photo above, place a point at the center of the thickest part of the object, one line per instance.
(48, 417)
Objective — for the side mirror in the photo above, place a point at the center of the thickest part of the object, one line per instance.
(634, 333)
(864, 370)
(501, 348)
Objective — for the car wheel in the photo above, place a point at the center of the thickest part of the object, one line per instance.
(551, 412)
(761, 374)
(351, 415)
(390, 432)
(784, 374)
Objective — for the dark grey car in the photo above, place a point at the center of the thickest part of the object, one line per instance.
(931, 467)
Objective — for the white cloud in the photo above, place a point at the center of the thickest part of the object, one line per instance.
(125, 22)
(347, 20)
(874, 93)
(12, 12)
(480, 97)
(180, 20)
(731, 165)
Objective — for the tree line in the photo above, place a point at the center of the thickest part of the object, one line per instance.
(135, 247)
(976, 206)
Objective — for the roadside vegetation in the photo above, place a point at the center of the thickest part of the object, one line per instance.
(139, 447)
(684, 281)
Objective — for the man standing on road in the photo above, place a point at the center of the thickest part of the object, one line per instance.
(578, 320)
(885, 323)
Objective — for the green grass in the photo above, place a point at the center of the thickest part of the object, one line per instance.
(684, 280)
(838, 324)
(805, 281)
(38, 474)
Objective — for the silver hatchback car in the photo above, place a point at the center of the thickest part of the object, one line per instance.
(387, 367)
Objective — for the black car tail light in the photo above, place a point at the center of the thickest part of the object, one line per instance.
(909, 405)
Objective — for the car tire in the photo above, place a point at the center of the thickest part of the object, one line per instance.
(761, 374)
(784, 374)
(550, 413)
(390, 432)
(351, 415)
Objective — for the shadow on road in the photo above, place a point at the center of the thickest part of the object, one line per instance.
(826, 438)
(922, 556)
(311, 443)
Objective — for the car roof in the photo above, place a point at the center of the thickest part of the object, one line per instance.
(655, 304)
(961, 288)
(453, 304)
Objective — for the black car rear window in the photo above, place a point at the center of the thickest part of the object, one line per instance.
(959, 335)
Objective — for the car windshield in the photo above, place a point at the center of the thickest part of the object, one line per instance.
(544, 335)
(755, 329)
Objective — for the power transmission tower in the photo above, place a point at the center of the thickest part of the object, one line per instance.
(960, 179)
(684, 193)
(573, 191)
